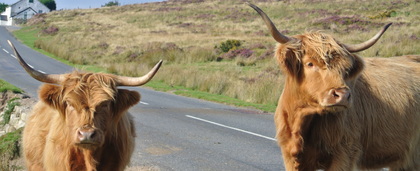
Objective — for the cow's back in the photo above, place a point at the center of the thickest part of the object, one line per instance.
(388, 104)
(35, 133)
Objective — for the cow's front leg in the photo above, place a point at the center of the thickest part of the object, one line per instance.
(299, 127)
(344, 158)
(289, 161)
(297, 152)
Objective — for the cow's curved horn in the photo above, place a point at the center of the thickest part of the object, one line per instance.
(367, 44)
(138, 81)
(46, 78)
(273, 30)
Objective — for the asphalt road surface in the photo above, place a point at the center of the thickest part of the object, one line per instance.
(173, 132)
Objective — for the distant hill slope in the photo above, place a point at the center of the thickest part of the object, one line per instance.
(189, 35)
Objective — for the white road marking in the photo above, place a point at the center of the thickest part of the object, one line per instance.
(13, 56)
(144, 103)
(229, 127)
(5, 50)
(30, 66)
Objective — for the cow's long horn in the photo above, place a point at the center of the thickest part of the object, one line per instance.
(367, 44)
(46, 78)
(273, 30)
(138, 81)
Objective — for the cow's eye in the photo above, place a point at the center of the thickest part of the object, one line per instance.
(104, 104)
(309, 64)
(103, 107)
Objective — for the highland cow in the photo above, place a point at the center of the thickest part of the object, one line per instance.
(341, 112)
(81, 121)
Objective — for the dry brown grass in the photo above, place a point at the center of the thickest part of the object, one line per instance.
(128, 40)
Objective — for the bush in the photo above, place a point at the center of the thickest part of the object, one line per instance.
(111, 3)
(51, 30)
(385, 14)
(3, 7)
(229, 45)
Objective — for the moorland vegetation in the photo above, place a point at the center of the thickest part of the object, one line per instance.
(219, 50)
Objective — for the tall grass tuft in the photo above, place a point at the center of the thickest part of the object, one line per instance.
(10, 151)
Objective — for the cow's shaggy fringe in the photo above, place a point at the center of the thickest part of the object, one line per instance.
(323, 47)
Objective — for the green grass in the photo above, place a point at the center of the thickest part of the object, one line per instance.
(5, 86)
(8, 143)
(10, 150)
(29, 35)
(23, 35)
(179, 90)
(224, 99)
(11, 104)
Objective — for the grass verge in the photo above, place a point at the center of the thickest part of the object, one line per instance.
(4, 86)
(10, 150)
(28, 36)
(10, 142)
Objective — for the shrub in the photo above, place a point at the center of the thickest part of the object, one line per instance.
(50, 30)
(111, 3)
(3, 7)
(385, 14)
(229, 45)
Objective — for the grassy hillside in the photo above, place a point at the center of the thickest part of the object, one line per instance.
(194, 38)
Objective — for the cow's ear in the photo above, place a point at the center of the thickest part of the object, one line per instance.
(357, 67)
(51, 95)
(289, 61)
(125, 99)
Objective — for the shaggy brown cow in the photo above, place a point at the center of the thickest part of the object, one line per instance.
(81, 123)
(339, 112)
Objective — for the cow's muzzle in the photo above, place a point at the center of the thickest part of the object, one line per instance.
(337, 97)
(88, 137)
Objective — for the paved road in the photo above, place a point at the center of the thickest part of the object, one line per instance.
(173, 132)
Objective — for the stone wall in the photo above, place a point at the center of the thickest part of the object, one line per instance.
(18, 115)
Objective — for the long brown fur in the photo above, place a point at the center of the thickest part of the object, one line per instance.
(84, 98)
(379, 129)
